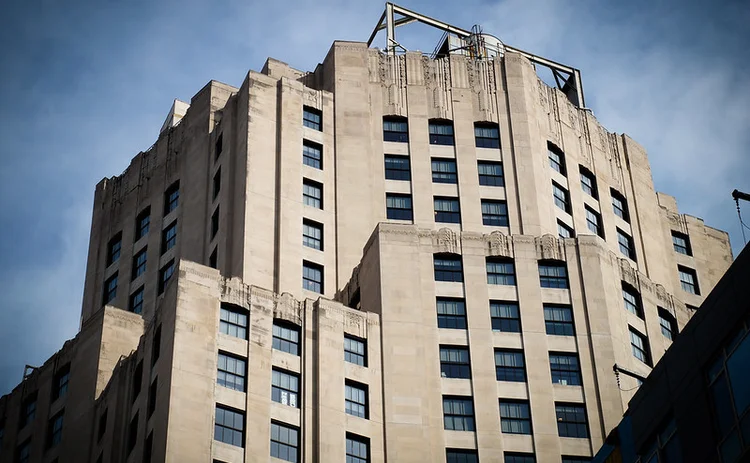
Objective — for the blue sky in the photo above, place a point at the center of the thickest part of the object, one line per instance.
(86, 85)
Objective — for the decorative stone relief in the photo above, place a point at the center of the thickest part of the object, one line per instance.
(499, 244)
(446, 240)
(628, 274)
(549, 247)
(664, 297)
(313, 98)
(287, 308)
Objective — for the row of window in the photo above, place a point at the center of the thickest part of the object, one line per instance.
(471, 456)
(500, 271)
(447, 210)
(396, 129)
(398, 167)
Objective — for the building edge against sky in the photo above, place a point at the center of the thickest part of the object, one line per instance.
(492, 241)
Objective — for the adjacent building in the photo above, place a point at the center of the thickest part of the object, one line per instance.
(395, 257)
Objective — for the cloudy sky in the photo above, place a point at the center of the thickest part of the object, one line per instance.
(86, 85)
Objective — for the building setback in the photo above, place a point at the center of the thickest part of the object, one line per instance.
(396, 257)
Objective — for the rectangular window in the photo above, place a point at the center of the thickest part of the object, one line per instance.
(231, 372)
(397, 167)
(311, 118)
(588, 182)
(500, 271)
(102, 429)
(137, 381)
(632, 300)
(284, 442)
(451, 313)
(444, 171)
(515, 417)
(447, 210)
(233, 321)
(113, 249)
(169, 237)
(571, 420)
(561, 197)
(448, 267)
(505, 317)
(23, 451)
(172, 197)
(620, 205)
(213, 259)
(564, 231)
(577, 459)
(219, 146)
(553, 275)
(357, 449)
(454, 362)
(285, 388)
(60, 382)
(486, 135)
(494, 213)
(398, 207)
(110, 289)
(556, 158)
(461, 456)
(215, 222)
(148, 448)
(355, 350)
(688, 280)
(441, 132)
(458, 413)
(565, 369)
(509, 366)
(165, 274)
(132, 433)
(312, 276)
(312, 154)
(639, 345)
(156, 346)
(217, 184)
(142, 223)
(54, 430)
(395, 129)
(286, 337)
(668, 323)
(519, 457)
(627, 247)
(491, 173)
(312, 234)
(355, 401)
(558, 320)
(152, 396)
(139, 264)
(312, 194)
(229, 426)
(29, 411)
(594, 222)
(681, 243)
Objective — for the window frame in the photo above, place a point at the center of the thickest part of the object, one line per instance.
(562, 226)
(396, 136)
(455, 455)
(632, 300)
(311, 240)
(403, 170)
(491, 179)
(285, 382)
(560, 326)
(291, 448)
(556, 157)
(641, 352)
(165, 274)
(563, 202)
(309, 272)
(565, 374)
(566, 418)
(233, 431)
(28, 410)
(447, 320)
(492, 219)
(109, 291)
(169, 237)
(594, 221)
(142, 223)
(215, 222)
(283, 343)
(506, 276)
(456, 275)
(692, 286)
(312, 154)
(226, 325)
(114, 249)
(171, 198)
(621, 210)
(309, 116)
(589, 188)
(517, 424)
(667, 323)
(139, 266)
(308, 197)
(547, 280)
(483, 141)
(398, 213)
(216, 184)
(232, 379)
(682, 248)
(466, 419)
(512, 323)
(447, 216)
(627, 248)
(356, 399)
(456, 366)
(355, 455)
(353, 356)
(441, 132)
(510, 373)
(54, 429)
(446, 172)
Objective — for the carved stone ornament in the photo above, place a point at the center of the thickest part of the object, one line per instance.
(446, 240)
(288, 308)
(499, 244)
(664, 297)
(628, 273)
(549, 247)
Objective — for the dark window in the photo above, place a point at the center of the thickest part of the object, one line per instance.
(681, 243)
(355, 350)
(219, 146)
(664, 447)
(169, 237)
(565, 369)
(395, 128)
(397, 167)
(627, 247)
(447, 210)
(142, 222)
(461, 456)
(311, 118)
(355, 399)
(312, 276)
(215, 223)
(454, 362)
(217, 183)
(284, 442)
(357, 449)
(632, 300)
(229, 426)
(594, 222)
(552, 275)
(494, 213)
(312, 154)
(148, 448)
(500, 271)
(285, 387)
(139, 264)
(458, 413)
(60, 382)
(620, 205)
(556, 158)
(28, 412)
(561, 197)
(233, 321)
(451, 313)
(213, 259)
(486, 135)
(286, 337)
(577, 459)
(165, 274)
(571, 420)
(515, 417)
(588, 182)
(110, 289)
(519, 457)
(491, 173)
(156, 346)
(505, 317)
(688, 280)
(23, 451)
(441, 132)
(312, 193)
(312, 234)
(448, 267)
(668, 324)
(398, 207)
(172, 197)
(113, 249)
(564, 231)
(102, 426)
(132, 433)
(639, 346)
(509, 366)
(152, 396)
(231, 372)
(54, 429)
(444, 170)
(137, 381)
(558, 320)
